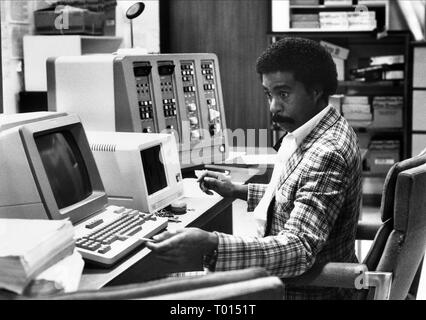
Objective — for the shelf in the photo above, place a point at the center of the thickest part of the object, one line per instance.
(337, 6)
(301, 30)
(383, 83)
(367, 128)
(366, 174)
(329, 33)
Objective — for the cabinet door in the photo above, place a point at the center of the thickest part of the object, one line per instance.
(419, 110)
(418, 144)
(419, 69)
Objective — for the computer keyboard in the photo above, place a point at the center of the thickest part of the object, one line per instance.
(114, 232)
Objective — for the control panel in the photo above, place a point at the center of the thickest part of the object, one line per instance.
(210, 96)
(166, 71)
(191, 101)
(142, 71)
(158, 93)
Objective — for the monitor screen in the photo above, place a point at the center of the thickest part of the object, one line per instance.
(64, 166)
(155, 175)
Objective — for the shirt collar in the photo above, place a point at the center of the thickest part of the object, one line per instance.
(302, 132)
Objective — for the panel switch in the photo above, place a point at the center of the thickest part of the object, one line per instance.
(192, 107)
(213, 114)
(193, 120)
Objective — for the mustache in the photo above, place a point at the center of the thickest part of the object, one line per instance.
(282, 119)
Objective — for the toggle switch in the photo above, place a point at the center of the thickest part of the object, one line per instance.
(195, 134)
(192, 107)
(193, 120)
(213, 114)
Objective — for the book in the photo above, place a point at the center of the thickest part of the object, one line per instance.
(304, 2)
(305, 24)
(361, 116)
(30, 246)
(355, 100)
(359, 123)
(331, 3)
(305, 17)
(379, 60)
(393, 75)
(354, 108)
(335, 50)
(62, 277)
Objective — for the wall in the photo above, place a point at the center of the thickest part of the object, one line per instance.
(236, 32)
(17, 21)
(146, 27)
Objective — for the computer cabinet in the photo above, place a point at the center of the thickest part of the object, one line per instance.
(385, 136)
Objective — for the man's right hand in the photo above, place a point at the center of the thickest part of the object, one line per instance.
(222, 184)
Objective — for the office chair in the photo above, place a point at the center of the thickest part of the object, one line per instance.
(248, 284)
(393, 260)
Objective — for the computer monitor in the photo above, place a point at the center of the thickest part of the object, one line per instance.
(47, 169)
(153, 93)
(139, 170)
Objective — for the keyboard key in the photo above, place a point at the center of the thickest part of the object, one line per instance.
(134, 213)
(94, 224)
(120, 210)
(93, 246)
(110, 239)
(134, 231)
(104, 249)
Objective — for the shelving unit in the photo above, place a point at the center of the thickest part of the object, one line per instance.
(283, 14)
(363, 45)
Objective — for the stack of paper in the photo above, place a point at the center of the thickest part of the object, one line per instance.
(357, 110)
(29, 246)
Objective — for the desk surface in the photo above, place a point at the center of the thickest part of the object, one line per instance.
(201, 209)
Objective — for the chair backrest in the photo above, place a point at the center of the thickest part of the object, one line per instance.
(406, 244)
(400, 243)
(387, 208)
(399, 209)
(388, 195)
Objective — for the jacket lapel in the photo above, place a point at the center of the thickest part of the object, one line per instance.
(326, 122)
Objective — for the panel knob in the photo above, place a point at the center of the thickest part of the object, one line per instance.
(192, 107)
(195, 134)
(193, 120)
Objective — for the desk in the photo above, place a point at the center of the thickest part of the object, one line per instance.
(207, 212)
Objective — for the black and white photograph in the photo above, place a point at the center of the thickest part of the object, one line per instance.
(212, 158)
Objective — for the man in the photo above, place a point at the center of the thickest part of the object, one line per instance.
(309, 211)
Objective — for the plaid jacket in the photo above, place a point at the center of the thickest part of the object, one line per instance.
(314, 215)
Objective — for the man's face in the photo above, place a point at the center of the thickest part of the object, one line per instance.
(290, 103)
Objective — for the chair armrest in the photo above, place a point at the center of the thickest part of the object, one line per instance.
(332, 274)
(345, 275)
(367, 230)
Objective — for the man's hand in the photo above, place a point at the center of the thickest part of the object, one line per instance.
(222, 184)
(183, 246)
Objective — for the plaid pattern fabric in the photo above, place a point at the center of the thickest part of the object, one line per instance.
(314, 215)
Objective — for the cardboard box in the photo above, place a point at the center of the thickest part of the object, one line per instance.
(382, 155)
(74, 21)
(387, 117)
